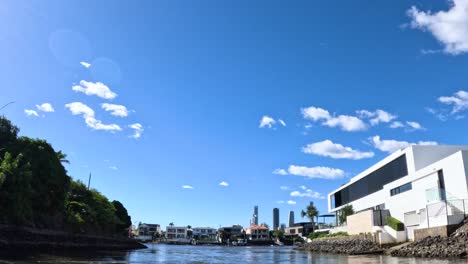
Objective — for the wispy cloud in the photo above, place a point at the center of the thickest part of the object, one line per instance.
(79, 108)
(85, 64)
(280, 172)
(458, 101)
(223, 183)
(307, 193)
(270, 122)
(187, 187)
(316, 172)
(116, 110)
(30, 112)
(390, 145)
(415, 125)
(396, 124)
(344, 122)
(99, 89)
(449, 27)
(45, 107)
(285, 188)
(138, 130)
(280, 202)
(113, 168)
(376, 117)
(327, 148)
(291, 202)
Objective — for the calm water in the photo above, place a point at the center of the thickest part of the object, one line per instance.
(211, 254)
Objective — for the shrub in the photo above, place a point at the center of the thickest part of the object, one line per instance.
(395, 223)
(317, 235)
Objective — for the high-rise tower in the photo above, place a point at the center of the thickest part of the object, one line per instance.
(291, 218)
(275, 218)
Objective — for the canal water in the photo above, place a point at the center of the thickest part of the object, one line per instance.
(210, 254)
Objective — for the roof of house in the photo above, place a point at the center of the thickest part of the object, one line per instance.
(257, 227)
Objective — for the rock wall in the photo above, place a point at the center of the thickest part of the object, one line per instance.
(20, 238)
(355, 245)
(456, 245)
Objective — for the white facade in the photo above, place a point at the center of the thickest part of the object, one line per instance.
(176, 232)
(204, 234)
(434, 174)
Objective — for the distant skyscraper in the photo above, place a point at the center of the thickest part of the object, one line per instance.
(254, 220)
(283, 227)
(291, 218)
(275, 218)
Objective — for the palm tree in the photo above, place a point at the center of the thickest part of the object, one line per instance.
(171, 224)
(62, 157)
(311, 212)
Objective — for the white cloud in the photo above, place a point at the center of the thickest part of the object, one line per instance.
(116, 110)
(396, 124)
(291, 202)
(316, 172)
(30, 112)
(223, 183)
(449, 27)
(459, 101)
(390, 145)
(379, 116)
(187, 187)
(414, 125)
(113, 168)
(327, 148)
(78, 108)
(98, 89)
(345, 122)
(138, 128)
(280, 172)
(308, 193)
(280, 202)
(303, 187)
(45, 107)
(267, 121)
(284, 188)
(85, 64)
(281, 121)
(315, 113)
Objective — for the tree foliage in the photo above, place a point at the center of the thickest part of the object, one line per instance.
(310, 212)
(345, 212)
(35, 189)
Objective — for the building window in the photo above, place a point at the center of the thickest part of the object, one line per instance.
(372, 182)
(401, 189)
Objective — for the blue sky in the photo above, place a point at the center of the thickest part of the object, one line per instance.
(283, 102)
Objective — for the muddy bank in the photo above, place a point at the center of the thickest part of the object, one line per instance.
(20, 238)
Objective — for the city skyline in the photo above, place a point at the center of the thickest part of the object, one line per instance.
(215, 107)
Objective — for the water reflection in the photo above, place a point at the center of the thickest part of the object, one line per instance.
(208, 254)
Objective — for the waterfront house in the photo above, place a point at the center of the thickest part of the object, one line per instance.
(301, 229)
(204, 235)
(146, 232)
(176, 232)
(230, 233)
(257, 234)
(424, 187)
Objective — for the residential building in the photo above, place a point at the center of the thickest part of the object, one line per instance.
(422, 186)
(275, 218)
(257, 233)
(176, 232)
(291, 219)
(146, 232)
(302, 229)
(204, 234)
(230, 233)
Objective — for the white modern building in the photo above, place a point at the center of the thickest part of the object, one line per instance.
(422, 186)
(205, 235)
(176, 232)
(146, 232)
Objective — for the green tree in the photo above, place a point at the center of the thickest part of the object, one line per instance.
(310, 212)
(15, 190)
(122, 214)
(62, 157)
(344, 213)
(8, 133)
(278, 234)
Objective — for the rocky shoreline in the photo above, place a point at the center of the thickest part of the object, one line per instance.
(21, 238)
(455, 245)
(343, 245)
